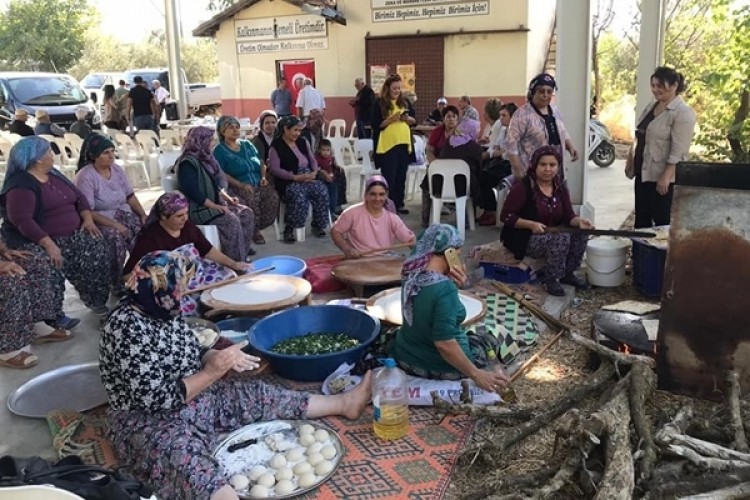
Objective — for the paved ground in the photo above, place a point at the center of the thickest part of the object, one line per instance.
(609, 192)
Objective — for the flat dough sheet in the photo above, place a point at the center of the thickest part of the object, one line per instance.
(255, 292)
(652, 328)
(388, 308)
(633, 306)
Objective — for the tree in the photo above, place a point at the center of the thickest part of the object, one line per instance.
(46, 35)
(602, 19)
(219, 5)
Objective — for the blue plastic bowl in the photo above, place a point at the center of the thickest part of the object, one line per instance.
(285, 265)
(313, 319)
(238, 325)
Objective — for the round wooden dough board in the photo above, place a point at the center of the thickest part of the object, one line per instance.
(386, 306)
(258, 293)
(369, 271)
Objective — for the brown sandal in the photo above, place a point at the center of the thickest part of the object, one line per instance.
(20, 361)
(258, 239)
(57, 335)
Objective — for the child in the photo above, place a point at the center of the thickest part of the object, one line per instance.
(328, 173)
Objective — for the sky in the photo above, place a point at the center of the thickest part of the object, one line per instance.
(143, 16)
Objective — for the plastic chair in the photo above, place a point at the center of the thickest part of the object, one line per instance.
(170, 140)
(417, 171)
(299, 232)
(168, 179)
(362, 150)
(5, 145)
(337, 129)
(449, 170)
(14, 138)
(151, 152)
(151, 135)
(132, 158)
(211, 233)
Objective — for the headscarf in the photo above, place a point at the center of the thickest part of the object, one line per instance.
(466, 131)
(157, 282)
(539, 80)
(380, 180)
(167, 204)
(537, 154)
(93, 146)
(223, 124)
(284, 123)
(198, 145)
(25, 153)
(436, 239)
(315, 122)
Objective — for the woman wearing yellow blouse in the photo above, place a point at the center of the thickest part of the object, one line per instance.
(391, 121)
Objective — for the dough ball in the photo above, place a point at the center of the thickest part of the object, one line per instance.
(324, 468)
(259, 491)
(321, 436)
(284, 487)
(315, 458)
(277, 461)
(306, 439)
(302, 468)
(267, 480)
(256, 472)
(328, 452)
(306, 429)
(284, 473)
(239, 482)
(315, 448)
(295, 454)
(307, 480)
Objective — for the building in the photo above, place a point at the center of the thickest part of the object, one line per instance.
(480, 48)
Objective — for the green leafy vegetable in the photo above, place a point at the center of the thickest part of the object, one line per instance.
(315, 343)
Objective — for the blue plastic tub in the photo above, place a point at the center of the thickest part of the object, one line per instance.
(285, 265)
(505, 273)
(313, 319)
(238, 325)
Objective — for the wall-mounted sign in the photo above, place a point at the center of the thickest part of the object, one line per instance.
(407, 72)
(378, 74)
(410, 10)
(244, 48)
(280, 28)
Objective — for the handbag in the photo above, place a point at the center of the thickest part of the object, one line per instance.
(90, 482)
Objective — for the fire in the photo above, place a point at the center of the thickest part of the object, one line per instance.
(625, 348)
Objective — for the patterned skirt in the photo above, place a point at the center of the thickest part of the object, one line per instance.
(206, 273)
(120, 244)
(264, 201)
(171, 450)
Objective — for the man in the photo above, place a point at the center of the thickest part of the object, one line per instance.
(309, 98)
(44, 126)
(468, 112)
(80, 127)
(161, 95)
(436, 117)
(281, 99)
(362, 104)
(18, 125)
(143, 105)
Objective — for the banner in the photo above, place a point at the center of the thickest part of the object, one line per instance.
(407, 72)
(378, 74)
(295, 72)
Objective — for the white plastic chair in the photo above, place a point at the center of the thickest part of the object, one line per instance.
(168, 179)
(362, 150)
(417, 171)
(5, 146)
(151, 152)
(337, 129)
(170, 139)
(211, 233)
(132, 157)
(299, 232)
(449, 170)
(151, 135)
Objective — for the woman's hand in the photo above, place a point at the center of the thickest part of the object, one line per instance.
(221, 208)
(249, 188)
(55, 256)
(491, 381)
(8, 254)
(242, 267)
(11, 269)
(585, 224)
(264, 182)
(218, 363)
(352, 253)
(662, 185)
(458, 275)
(537, 227)
(121, 229)
(573, 152)
(90, 227)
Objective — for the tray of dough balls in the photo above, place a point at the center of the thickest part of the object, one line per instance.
(279, 459)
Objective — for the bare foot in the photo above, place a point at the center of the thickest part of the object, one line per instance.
(358, 398)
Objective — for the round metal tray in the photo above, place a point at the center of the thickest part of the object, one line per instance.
(262, 429)
(74, 387)
(194, 322)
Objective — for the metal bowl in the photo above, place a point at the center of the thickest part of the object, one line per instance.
(201, 324)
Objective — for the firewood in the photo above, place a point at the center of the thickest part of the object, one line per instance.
(606, 352)
(492, 412)
(733, 401)
(618, 480)
(738, 492)
(693, 485)
(706, 448)
(506, 482)
(707, 463)
(642, 383)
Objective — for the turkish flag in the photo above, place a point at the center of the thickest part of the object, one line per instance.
(295, 72)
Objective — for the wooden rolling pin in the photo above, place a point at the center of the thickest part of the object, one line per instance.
(230, 280)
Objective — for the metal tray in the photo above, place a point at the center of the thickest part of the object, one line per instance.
(262, 429)
(73, 387)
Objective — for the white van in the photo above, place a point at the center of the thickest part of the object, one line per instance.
(94, 83)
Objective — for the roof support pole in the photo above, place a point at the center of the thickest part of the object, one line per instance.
(177, 86)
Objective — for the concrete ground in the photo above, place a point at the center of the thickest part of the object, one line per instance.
(608, 190)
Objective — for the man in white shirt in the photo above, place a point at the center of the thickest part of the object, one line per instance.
(309, 98)
(161, 94)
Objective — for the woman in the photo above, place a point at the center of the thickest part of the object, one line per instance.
(663, 137)
(114, 207)
(315, 128)
(392, 118)
(247, 175)
(26, 296)
(537, 123)
(44, 213)
(169, 400)
(267, 122)
(495, 166)
(292, 163)
(431, 342)
(111, 109)
(370, 225)
(539, 202)
(200, 178)
(168, 228)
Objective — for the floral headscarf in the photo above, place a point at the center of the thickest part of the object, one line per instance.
(93, 146)
(167, 204)
(157, 282)
(198, 145)
(466, 131)
(436, 239)
(223, 124)
(284, 123)
(380, 180)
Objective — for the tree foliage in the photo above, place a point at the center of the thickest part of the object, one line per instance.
(46, 35)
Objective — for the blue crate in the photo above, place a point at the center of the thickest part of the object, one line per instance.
(506, 273)
(648, 268)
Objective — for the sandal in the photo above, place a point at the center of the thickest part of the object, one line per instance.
(20, 361)
(578, 283)
(57, 335)
(289, 235)
(556, 289)
(318, 232)
(258, 239)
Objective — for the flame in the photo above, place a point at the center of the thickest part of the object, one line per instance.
(625, 348)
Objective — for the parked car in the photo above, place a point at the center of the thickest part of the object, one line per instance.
(202, 98)
(94, 83)
(59, 95)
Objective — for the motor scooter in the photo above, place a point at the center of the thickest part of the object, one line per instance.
(601, 149)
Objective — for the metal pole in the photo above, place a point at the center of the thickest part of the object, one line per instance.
(650, 51)
(177, 87)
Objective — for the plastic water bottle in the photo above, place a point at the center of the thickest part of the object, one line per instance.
(390, 400)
